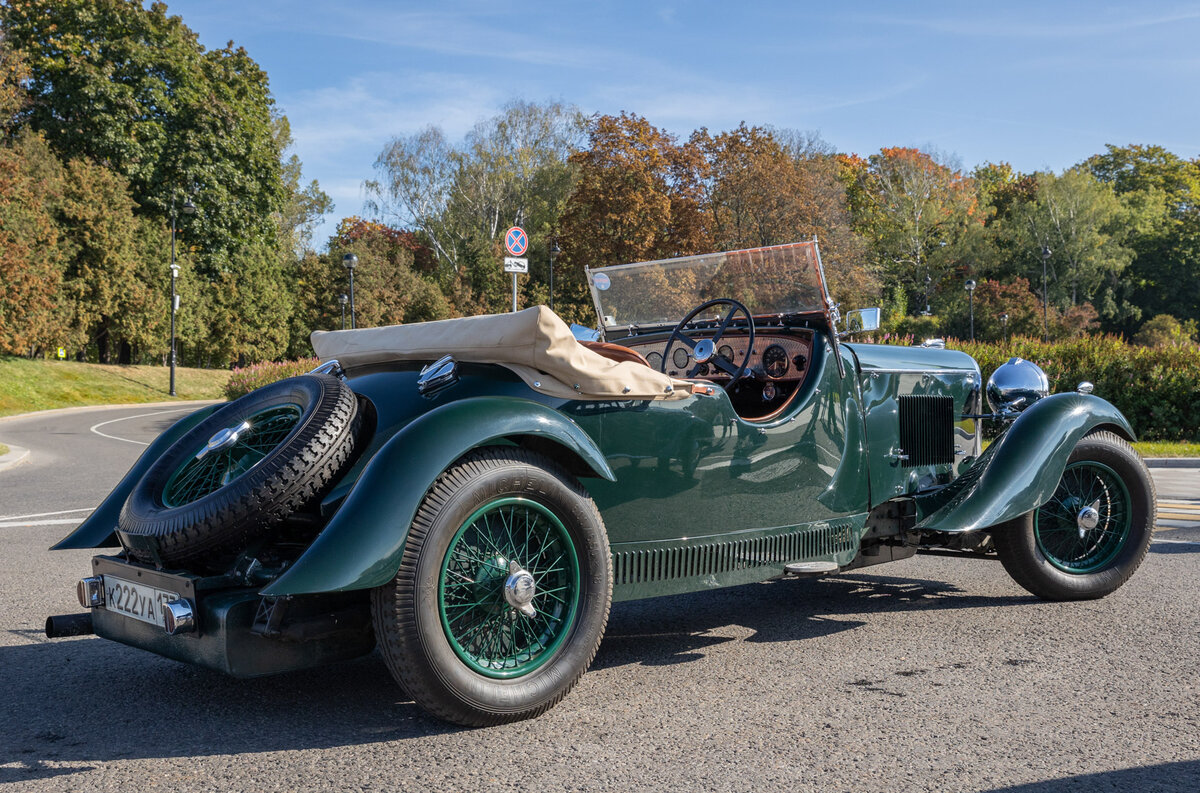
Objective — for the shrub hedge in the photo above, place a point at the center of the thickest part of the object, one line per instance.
(1158, 389)
(243, 381)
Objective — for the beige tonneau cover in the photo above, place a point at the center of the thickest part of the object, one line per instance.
(535, 344)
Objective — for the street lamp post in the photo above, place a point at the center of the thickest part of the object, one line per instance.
(970, 287)
(188, 209)
(554, 251)
(343, 299)
(928, 281)
(1004, 325)
(1045, 296)
(350, 261)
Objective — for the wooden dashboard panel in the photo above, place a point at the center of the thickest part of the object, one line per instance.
(796, 352)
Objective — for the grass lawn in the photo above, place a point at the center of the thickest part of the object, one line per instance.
(3, 450)
(1168, 448)
(27, 385)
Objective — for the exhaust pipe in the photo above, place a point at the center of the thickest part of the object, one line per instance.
(69, 625)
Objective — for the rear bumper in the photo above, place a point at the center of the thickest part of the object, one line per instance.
(227, 638)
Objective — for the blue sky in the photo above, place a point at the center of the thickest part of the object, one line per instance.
(1039, 85)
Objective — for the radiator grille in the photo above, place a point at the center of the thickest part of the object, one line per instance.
(927, 429)
(664, 564)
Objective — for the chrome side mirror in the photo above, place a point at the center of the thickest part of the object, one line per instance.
(861, 320)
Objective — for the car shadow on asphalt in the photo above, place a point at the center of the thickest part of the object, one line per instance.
(73, 702)
(1183, 777)
(675, 630)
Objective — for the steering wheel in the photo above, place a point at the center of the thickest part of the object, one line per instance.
(704, 350)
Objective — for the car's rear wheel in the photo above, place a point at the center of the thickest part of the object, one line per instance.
(503, 593)
(1092, 534)
(241, 471)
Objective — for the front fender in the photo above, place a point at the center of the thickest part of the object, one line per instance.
(1021, 469)
(98, 530)
(362, 545)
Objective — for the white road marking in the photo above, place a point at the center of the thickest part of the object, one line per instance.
(94, 427)
(46, 514)
(23, 523)
(1175, 542)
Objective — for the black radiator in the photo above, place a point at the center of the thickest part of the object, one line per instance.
(927, 429)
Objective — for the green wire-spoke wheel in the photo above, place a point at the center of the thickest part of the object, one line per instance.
(503, 590)
(230, 453)
(1093, 532)
(239, 471)
(509, 587)
(1083, 526)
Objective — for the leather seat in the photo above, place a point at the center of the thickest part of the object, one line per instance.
(615, 352)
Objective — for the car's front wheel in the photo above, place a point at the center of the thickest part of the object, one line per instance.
(1092, 534)
(503, 592)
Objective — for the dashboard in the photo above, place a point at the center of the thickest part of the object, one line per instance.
(778, 365)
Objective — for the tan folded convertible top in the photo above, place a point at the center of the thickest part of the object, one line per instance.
(535, 344)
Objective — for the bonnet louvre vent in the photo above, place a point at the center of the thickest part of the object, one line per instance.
(927, 429)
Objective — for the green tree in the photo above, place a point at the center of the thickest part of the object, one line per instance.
(1161, 194)
(1080, 220)
(920, 216)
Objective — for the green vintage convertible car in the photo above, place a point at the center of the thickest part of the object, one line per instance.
(471, 495)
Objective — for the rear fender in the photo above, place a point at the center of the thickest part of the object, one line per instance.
(1021, 469)
(362, 545)
(98, 531)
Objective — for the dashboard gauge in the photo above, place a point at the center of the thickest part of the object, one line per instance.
(769, 391)
(726, 352)
(655, 361)
(775, 361)
(680, 357)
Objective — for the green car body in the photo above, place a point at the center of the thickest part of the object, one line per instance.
(876, 454)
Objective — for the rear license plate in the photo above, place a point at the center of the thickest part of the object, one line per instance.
(139, 601)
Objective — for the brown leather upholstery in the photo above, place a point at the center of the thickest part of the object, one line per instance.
(615, 352)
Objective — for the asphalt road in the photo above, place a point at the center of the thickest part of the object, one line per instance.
(927, 674)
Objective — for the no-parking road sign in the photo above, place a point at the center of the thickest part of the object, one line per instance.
(516, 241)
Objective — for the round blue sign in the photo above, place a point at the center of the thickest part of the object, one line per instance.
(516, 241)
(601, 281)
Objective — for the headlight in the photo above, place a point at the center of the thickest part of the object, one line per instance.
(1015, 386)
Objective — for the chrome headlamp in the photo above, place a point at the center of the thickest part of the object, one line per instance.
(1015, 386)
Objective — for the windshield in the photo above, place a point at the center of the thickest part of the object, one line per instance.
(782, 279)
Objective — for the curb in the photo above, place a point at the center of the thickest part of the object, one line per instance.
(16, 455)
(1172, 462)
(183, 403)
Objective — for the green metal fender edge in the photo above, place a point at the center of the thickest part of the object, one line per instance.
(98, 531)
(1020, 470)
(362, 545)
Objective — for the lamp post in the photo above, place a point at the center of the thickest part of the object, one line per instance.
(1004, 325)
(928, 281)
(554, 251)
(970, 287)
(343, 299)
(350, 261)
(1045, 296)
(188, 209)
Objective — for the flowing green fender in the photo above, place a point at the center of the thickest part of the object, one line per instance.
(362, 545)
(99, 530)
(1021, 469)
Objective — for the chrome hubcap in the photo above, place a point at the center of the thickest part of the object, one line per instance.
(1088, 518)
(223, 439)
(519, 589)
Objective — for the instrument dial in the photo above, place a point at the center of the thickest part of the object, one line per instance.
(680, 358)
(655, 360)
(726, 352)
(775, 361)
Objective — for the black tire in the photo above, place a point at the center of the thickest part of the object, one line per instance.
(1023, 549)
(193, 528)
(408, 610)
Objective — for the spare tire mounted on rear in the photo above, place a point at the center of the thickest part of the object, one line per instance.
(241, 471)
